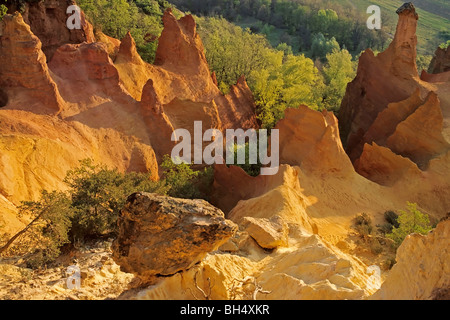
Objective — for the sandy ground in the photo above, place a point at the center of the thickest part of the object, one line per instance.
(101, 277)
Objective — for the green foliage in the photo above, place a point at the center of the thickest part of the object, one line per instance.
(297, 19)
(184, 182)
(232, 51)
(322, 46)
(392, 218)
(116, 17)
(423, 62)
(411, 221)
(338, 72)
(91, 206)
(48, 231)
(363, 225)
(3, 10)
(98, 194)
(253, 170)
(444, 45)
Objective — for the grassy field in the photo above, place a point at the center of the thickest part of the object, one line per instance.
(434, 16)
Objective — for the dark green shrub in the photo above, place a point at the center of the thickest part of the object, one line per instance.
(392, 218)
(98, 194)
(363, 225)
(183, 181)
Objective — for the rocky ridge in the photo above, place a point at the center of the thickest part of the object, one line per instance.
(288, 236)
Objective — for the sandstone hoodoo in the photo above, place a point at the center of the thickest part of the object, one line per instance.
(24, 74)
(48, 21)
(391, 76)
(159, 235)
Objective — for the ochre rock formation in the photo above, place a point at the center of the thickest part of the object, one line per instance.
(48, 21)
(441, 61)
(389, 113)
(24, 76)
(381, 165)
(181, 73)
(311, 139)
(421, 271)
(159, 235)
(268, 233)
(419, 136)
(389, 77)
(87, 68)
(237, 109)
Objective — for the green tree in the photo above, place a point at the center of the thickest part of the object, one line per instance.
(116, 17)
(423, 62)
(98, 194)
(184, 182)
(321, 46)
(47, 231)
(411, 221)
(338, 72)
(444, 45)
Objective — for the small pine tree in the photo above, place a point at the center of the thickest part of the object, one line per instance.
(411, 221)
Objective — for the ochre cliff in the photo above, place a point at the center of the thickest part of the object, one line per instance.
(422, 271)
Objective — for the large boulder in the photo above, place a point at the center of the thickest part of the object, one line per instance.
(160, 235)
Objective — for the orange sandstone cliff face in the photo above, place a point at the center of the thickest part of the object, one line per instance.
(47, 20)
(77, 102)
(390, 77)
(388, 109)
(24, 75)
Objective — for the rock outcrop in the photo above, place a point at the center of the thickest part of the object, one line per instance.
(88, 68)
(159, 235)
(181, 82)
(24, 76)
(441, 61)
(389, 115)
(237, 109)
(389, 77)
(48, 21)
(422, 270)
(311, 140)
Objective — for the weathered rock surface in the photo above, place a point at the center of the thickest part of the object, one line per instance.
(237, 109)
(268, 233)
(422, 271)
(88, 68)
(180, 76)
(381, 165)
(24, 76)
(311, 140)
(441, 61)
(412, 129)
(159, 235)
(389, 77)
(47, 20)
(419, 136)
